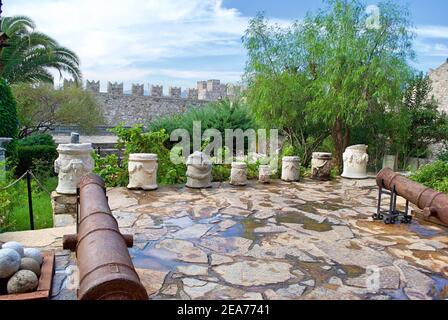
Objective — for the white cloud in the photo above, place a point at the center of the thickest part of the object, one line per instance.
(116, 39)
(430, 31)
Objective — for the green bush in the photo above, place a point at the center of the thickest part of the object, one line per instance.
(217, 115)
(37, 140)
(38, 158)
(434, 175)
(8, 119)
(443, 156)
(135, 140)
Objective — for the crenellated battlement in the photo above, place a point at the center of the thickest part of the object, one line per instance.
(93, 86)
(156, 91)
(138, 89)
(115, 88)
(175, 92)
(210, 90)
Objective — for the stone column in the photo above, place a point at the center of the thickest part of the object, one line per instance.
(321, 166)
(290, 169)
(199, 171)
(355, 162)
(142, 169)
(264, 173)
(238, 174)
(74, 161)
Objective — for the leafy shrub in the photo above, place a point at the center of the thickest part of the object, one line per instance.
(39, 158)
(37, 140)
(8, 118)
(217, 115)
(443, 156)
(434, 175)
(134, 140)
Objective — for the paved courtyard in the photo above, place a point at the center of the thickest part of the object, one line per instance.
(307, 240)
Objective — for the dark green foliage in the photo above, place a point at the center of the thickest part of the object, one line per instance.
(433, 175)
(135, 140)
(39, 158)
(8, 119)
(218, 115)
(37, 140)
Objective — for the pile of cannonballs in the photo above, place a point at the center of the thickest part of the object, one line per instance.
(19, 268)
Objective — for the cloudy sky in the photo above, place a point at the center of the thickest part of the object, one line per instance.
(177, 42)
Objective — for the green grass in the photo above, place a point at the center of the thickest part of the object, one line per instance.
(18, 218)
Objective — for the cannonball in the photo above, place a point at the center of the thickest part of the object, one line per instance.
(30, 264)
(33, 253)
(22, 281)
(15, 246)
(9, 262)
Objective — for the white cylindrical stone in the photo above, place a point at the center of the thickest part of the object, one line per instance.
(290, 169)
(238, 174)
(142, 169)
(355, 162)
(321, 166)
(264, 173)
(199, 171)
(74, 161)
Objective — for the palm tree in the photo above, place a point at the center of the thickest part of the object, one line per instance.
(30, 55)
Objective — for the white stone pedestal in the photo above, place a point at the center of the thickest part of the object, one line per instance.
(142, 169)
(290, 169)
(355, 162)
(74, 161)
(199, 171)
(264, 173)
(321, 166)
(238, 174)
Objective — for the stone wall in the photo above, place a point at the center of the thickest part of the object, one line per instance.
(439, 79)
(139, 109)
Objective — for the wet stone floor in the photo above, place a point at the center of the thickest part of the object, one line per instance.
(306, 240)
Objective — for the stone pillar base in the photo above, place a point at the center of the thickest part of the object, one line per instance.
(64, 209)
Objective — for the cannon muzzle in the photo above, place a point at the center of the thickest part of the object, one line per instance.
(433, 203)
(105, 267)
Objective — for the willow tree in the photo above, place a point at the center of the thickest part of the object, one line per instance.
(349, 64)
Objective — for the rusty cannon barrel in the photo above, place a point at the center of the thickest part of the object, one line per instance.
(433, 203)
(105, 267)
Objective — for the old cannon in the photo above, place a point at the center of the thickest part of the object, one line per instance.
(433, 203)
(105, 267)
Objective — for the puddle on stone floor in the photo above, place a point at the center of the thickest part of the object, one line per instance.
(155, 259)
(245, 229)
(308, 223)
(440, 290)
(422, 230)
(352, 271)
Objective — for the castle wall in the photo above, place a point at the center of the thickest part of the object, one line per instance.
(439, 79)
(137, 109)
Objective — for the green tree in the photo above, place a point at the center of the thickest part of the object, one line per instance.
(41, 108)
(421, 121)
(30, 55)
(349, 67)
(8, 117)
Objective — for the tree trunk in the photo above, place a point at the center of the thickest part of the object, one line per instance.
(340, 135)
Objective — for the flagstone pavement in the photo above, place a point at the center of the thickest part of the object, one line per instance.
(304, 240)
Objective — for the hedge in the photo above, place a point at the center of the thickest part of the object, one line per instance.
(36, 158)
